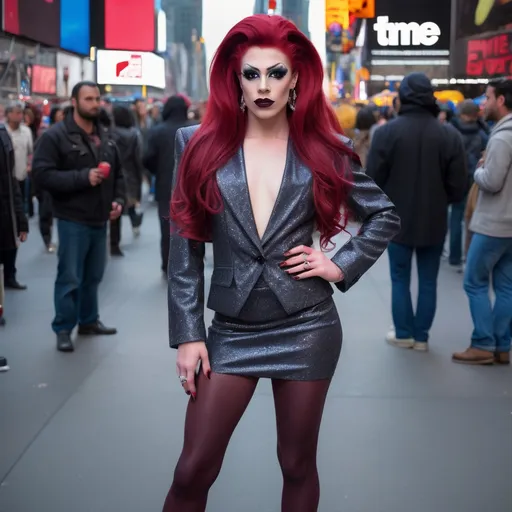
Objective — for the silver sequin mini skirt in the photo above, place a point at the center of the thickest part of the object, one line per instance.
(265, 341)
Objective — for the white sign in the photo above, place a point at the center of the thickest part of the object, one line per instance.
(69, 73)
(406, 34)
(130, 68)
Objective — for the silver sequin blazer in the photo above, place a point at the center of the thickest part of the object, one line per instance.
(241, 257)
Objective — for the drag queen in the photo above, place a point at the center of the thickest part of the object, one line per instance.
(267, 168)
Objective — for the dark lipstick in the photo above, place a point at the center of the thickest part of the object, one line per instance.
(264, 103)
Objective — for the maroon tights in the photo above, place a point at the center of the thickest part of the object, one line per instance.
(211, 420)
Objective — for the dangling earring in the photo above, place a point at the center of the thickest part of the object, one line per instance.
(242, 104)
(292, 100)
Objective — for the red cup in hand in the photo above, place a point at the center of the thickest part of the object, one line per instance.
(104, 167)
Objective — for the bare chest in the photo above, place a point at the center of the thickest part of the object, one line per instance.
(264, 166)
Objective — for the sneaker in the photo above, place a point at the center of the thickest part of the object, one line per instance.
(399, 342)
(51, 248)
(136, 232)
(3, 365)
(421, 346)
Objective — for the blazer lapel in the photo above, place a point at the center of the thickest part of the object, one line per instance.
(232, 182)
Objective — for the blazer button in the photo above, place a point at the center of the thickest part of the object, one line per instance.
(260, 259)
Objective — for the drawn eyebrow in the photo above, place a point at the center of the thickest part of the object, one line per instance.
(271, 68)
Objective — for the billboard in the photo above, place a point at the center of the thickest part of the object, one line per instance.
(476, 17)
(44, 80)
(130, 68)
(484, 57)
(36, 19)
(74, 26)
(402, 26)
(130, 25)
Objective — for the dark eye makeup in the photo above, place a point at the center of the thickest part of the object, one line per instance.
(278, 71)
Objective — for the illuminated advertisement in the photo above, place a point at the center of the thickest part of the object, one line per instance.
(35, 19)
(130, 25)
(130, 68)
(74, 26)
(44, 80)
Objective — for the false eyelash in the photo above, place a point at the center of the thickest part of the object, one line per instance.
(249, 75)
(279, 73)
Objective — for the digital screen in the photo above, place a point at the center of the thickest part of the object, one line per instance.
(122, 16)
(476, 17)
(36, 19)
(44, 80)
(74, 26)
(130, 68)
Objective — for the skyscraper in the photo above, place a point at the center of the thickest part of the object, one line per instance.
(298, 12)
(295, 10)
(184, 37)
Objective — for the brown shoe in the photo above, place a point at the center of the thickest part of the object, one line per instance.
(473, 356)
(502, 357)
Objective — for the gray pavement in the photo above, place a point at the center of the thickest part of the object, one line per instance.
(101, 429)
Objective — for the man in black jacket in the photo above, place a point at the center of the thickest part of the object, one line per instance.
(85, 195)
(159, 160)
(13, 222)
(420, 164)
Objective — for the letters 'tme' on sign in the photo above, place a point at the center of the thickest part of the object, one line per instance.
(406, 34)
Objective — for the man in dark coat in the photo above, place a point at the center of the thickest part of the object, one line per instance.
(421, 165)
(159, 159)
(13, 223)
(78, 163)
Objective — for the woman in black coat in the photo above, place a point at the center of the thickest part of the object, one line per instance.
(130, 148)
(13, 222)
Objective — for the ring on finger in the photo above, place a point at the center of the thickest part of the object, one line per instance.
(306, 264)
(304, 257)
(183, 379)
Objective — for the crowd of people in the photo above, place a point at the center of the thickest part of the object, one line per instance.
(86, 170)
(460, 199)
(447, 172)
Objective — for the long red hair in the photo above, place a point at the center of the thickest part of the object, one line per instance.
(314, 131)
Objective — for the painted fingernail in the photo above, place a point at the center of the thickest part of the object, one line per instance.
(187, 392)
(297, 278)
(194, 396)
(209, 374)
(283, 264)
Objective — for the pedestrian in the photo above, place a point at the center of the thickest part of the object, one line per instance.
(490, 252)
(77, 162)
(420, 164)
(474, 140)
(13, 222)
(45, 199)
(21, 137)
(130, 148)
(159, 159)
(266, 168)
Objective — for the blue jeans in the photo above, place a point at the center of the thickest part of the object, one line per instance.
(82, 258)
(456, 222)
(490, 256)
(428, 259)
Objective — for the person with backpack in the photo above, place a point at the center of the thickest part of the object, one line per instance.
(475, 140)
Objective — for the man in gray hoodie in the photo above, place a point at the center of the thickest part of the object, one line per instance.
(490, 253)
